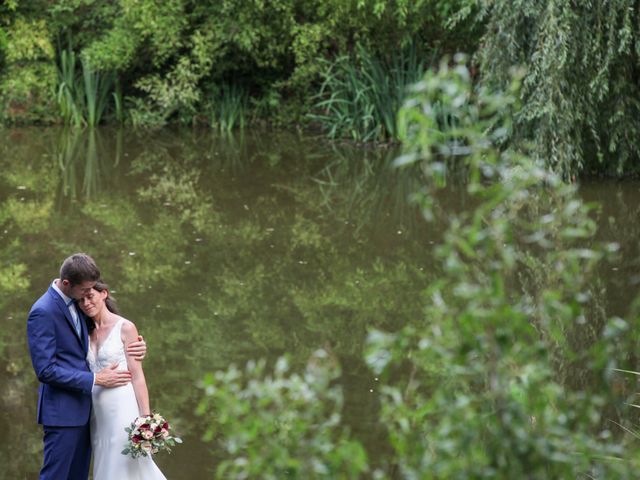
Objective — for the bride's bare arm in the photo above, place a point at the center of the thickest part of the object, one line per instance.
(129, 335)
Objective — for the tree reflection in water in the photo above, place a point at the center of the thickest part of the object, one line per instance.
(220, 248)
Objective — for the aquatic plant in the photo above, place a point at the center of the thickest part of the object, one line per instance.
(97, 86)
(361, 94)
(82, 98)
(228, 107)
(68, 86)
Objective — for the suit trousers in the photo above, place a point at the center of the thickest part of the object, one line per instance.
(67, 453)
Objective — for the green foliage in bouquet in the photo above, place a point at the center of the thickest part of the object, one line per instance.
(281, 424)
(149, 435)
(486, 395)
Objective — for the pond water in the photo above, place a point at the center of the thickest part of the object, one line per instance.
(228, 248)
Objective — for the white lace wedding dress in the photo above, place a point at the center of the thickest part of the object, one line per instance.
(113, 410)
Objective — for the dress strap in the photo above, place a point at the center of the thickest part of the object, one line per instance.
(115, 335)
(118, 327)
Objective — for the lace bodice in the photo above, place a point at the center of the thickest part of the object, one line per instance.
(111, 351)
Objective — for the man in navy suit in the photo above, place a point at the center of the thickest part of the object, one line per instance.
(58, 341)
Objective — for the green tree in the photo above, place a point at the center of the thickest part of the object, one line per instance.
(580, 101)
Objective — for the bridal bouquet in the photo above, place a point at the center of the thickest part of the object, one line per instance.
(149, 435)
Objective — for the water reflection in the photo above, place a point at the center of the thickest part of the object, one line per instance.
(221, 249)
(226, 248)
(84, 161)
(362, 191)
(619, 209)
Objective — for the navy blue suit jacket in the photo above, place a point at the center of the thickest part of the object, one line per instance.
(58, 355)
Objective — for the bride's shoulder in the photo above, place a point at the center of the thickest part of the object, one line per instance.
(128, 327)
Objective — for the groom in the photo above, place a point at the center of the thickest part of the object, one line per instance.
(58, 341)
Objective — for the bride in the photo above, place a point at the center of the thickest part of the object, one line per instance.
(114, 408)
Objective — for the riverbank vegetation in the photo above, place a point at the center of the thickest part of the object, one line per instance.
(341, 66)
(172, 59)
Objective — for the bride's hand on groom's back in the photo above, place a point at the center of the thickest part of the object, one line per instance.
(111, 377)
(137, 350)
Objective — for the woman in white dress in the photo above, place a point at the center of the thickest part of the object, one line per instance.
(115, 408)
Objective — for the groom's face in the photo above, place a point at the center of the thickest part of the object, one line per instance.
(79, 290)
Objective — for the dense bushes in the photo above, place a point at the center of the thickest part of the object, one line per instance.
(170, 55)
(580, 104)
(28, 78)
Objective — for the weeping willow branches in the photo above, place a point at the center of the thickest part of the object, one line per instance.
(581, 101)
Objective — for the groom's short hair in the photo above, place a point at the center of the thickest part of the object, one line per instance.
(79, 268)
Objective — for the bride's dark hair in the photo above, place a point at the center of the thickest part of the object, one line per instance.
(110, 302)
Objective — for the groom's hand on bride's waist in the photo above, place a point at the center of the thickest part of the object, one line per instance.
(111, 377)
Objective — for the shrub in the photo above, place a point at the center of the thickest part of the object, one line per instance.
(485, 397)
(27, 84)
(280, 425)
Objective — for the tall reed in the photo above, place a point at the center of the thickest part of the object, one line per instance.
(97, 86)
(228, 107)
(361, 94)
(118, 102)
(69, 89)
(82, 97)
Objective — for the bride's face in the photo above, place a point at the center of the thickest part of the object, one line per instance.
(93, 302)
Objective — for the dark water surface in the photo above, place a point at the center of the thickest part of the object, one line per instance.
(224, 249)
